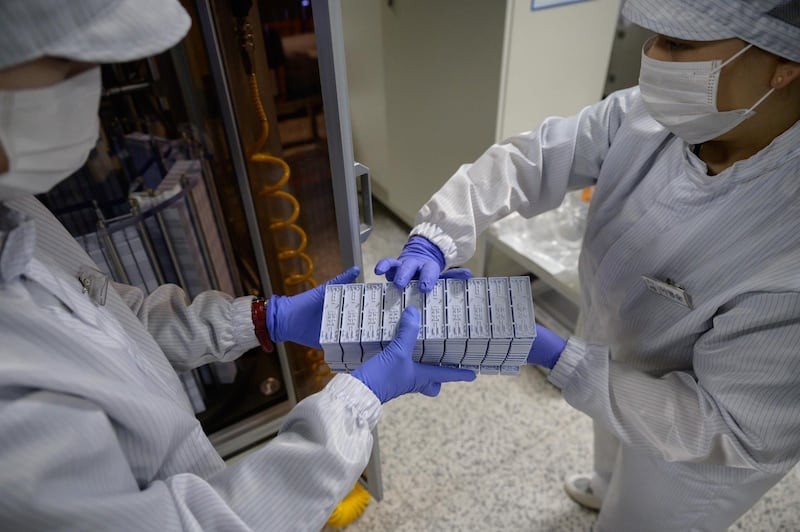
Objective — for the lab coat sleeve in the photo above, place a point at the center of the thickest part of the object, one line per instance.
(739, 408)
(529, 173)
(214, 327)
(65, 468)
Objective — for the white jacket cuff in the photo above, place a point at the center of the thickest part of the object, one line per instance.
(357, 396)
(242, 323)
(573, 354)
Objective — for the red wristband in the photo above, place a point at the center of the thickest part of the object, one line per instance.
(258, 310)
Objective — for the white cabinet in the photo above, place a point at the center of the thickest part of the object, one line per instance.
(424, 79)
(555, 61)
(433, 83)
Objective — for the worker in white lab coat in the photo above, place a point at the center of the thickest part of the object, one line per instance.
(688, 359)
(96, 431)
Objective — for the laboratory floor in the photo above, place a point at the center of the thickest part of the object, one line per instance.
(491, 455)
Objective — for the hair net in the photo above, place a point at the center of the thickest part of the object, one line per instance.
(772, 25)
(95, 31)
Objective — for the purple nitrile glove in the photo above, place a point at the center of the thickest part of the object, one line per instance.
(420, 258)
(546, 348)
(392, 373)
(299, 318)
(456, 273)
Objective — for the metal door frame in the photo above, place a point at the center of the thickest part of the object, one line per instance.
(333, 78)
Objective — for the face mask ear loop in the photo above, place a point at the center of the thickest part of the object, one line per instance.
(648, 44)
(770, 91)
(732, 58)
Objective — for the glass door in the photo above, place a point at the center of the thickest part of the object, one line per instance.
(278, 69)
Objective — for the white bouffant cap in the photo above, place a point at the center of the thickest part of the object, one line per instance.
(92, 31)
(772, 25)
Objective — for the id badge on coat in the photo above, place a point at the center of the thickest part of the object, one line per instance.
(669, 290)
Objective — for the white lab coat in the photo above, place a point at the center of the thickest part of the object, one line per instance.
(96, 432)
(698, 408)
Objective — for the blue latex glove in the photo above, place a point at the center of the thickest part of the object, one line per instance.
(299, 318)
(391, 372)
(546, 348)
(420, 258)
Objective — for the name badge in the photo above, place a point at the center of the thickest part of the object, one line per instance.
(669, 290)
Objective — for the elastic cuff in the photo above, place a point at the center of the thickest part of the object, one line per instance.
(572, 355)
(242, 323)
(442, 240)
(357, 396)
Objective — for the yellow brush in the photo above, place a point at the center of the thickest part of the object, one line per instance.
(350, 508)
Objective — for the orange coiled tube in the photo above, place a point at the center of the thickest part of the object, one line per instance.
(275, 191)
(319, 368)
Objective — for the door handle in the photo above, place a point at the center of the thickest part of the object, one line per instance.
(365, 227)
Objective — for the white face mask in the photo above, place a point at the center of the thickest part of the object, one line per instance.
(682, 97)
(48, 133)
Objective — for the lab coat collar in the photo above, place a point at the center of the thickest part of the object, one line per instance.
(58, 284)
(17, 242)
(17, 245)
(783, 148)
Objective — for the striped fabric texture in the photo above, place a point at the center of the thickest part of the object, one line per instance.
(772, 25)
(710, 393)
(93, 31)
(96, 432)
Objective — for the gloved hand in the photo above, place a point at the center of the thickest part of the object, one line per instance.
(299, 318)
(419, 258)
(546, 348)
(391, 372)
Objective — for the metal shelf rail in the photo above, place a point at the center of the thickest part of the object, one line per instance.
(169, 236)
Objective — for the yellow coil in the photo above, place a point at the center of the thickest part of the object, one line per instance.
(319, 370)
(350, 508)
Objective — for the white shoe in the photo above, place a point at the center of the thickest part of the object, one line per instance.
(579, 488)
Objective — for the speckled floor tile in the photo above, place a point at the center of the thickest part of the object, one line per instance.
(482, 456)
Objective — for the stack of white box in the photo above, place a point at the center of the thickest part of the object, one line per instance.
(482, 324)
(371, 331)
(455, 345)
(331, 326)
(392, 308)
(412, 297)
(434, 329)
(480, 331)
(524, 324)
(350, 335)
(502, 325)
